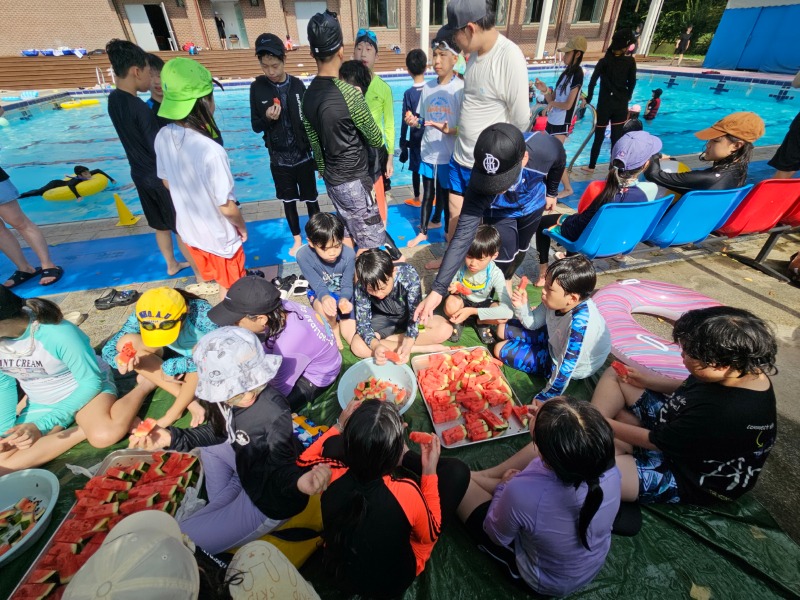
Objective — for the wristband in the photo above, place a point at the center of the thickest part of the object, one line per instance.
(420, 123)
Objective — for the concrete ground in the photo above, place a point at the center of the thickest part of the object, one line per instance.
(702, 268)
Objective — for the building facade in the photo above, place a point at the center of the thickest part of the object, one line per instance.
(169, 25)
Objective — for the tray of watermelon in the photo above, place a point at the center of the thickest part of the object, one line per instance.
(127, 482)
(467, 396)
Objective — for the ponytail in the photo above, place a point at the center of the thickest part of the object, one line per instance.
(44, 311)
(568, 74)
(617, 180)
(339, 530)
(592, 502)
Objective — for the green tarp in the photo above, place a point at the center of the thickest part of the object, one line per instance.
(726, 552)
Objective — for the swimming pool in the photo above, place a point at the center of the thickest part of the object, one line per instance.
(49, 144)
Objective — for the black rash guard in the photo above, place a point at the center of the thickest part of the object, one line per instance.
(718, 177)
(617, 78)
(340, 128)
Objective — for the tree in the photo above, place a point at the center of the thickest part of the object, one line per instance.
(677, 15)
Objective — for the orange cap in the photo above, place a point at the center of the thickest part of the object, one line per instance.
(747, 126)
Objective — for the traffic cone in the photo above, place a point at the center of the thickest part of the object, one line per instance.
(126, 218)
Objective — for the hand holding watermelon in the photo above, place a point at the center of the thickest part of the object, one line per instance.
(329, 306)
(620, 368)
(158, 437)
(519, 297)
(430, 455)
(420, 437)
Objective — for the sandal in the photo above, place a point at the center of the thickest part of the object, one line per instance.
(204, 288)
(299, 288)
(456, 335)
(55, 272)
(486, 335)
(112, 298)
(286, 285)
(20, 277)
(254, 273)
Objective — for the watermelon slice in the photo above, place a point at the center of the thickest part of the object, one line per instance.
(69, 565)
(42, 576)
(462, 290)
(98, 493)
(179, 463)
(126, 354)
(620, 368)
(494, 421)
(137, 505)
(420, 437)
(98, 512)
(153, 473)
(454, 435)
(34, 591)
(82, 525)
(108, 483)
(393, 356)
(521, 413)
(144, 428)
(523, 283)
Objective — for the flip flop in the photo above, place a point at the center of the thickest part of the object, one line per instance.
(55, 272)
(112, 298)
(20, 277)
(456, 335)
(299, 288)
(485, 333)
(206, 288)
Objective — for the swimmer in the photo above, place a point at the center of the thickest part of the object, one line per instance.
(81, 174)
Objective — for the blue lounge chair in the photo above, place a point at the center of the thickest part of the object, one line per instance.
(692, 218)
(616, 228)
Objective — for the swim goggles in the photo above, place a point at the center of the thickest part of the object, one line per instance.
(163, 325)
(366, 33)
(443, 45)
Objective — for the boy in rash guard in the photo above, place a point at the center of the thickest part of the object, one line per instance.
(276, 101)
(311, 359)
(338, 123)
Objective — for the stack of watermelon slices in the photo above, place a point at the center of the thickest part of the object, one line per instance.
(465, 386)
(103, 502)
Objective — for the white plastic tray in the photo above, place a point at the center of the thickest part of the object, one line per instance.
(422, 361)
(37, 484)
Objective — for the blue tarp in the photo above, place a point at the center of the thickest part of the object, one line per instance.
(757, 39)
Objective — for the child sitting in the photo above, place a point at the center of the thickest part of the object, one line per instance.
(163, 330)
(411, 138)
(368, 506)
(311, 360)
(565, 337)
(652, 106)
(386, 297)
(329, 267)
(630, 156)
(546, 513)
(706, 438)
(249, 455)
(483, 279)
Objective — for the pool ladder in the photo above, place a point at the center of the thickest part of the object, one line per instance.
(586, 141)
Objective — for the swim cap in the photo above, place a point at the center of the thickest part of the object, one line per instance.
(324, 34)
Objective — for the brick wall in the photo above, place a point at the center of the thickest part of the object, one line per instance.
(45, 24)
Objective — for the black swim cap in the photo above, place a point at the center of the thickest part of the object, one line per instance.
(621, 39)
(80, 169)
(324, 34)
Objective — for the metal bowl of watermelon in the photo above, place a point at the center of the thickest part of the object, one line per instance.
(390, 382)
(27, 499)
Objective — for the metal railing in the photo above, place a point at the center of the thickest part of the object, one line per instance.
(586, 141)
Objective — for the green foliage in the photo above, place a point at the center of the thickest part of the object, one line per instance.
(676, 15)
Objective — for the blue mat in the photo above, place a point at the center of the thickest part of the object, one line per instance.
(133, 259)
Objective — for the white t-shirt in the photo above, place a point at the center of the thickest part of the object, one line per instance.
(440, 103)
(200, 181)
(495, 91)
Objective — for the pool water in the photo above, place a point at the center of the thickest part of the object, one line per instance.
(48, 145)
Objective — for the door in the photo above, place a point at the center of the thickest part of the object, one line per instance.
(304, 10)
(141, 27)
(231, 13)
(155, 14)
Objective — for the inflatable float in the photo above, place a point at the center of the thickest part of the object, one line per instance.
(80, 103)
(633, 344)
(96, 184)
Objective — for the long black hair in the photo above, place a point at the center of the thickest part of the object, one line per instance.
(618, 178)
(576, 442)
(739, 158)
(568, 74)
(373, 447)
(201, 118)
(44, 311)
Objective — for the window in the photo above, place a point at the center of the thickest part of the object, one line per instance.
(588, 11)
(438, 12)
(377, 13)
(535, 8)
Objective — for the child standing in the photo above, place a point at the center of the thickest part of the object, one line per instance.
(137, 127)
(368, 506)
(381, 105)
(386, 297)
(547, 512)
(565, 337)
(483, 279)
(248, 452)
(439, 110)
(653, 105)
(156, 91)
(276, 101)
(329, 267)
(196, 170)
(416, 62)
(707, 438)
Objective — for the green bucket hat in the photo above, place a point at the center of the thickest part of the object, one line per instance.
(184, 81)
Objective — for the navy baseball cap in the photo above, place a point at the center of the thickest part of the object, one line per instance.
(498, 159)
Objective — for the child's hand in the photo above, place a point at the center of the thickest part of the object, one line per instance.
(540, 85)
(328, 306)
(633, 377)
(430, 455)
(379, 354)
(23, 436)
(443, 127)
(463, 314)
(410, 119)
(198, 413)
(345, 306)
(519, 297)
(453, 288)
(508, 475)
(274, 112)
(348, 411)
(242, 233)
(159, 437)
(315, 481)
(404, 351)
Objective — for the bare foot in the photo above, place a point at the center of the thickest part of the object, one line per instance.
(177, 268)
(587, 170)
(434, 225)
(434, 264)
(293, 250)
(565, 193)
(420, 237)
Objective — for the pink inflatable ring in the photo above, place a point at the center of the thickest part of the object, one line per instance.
(632, 343)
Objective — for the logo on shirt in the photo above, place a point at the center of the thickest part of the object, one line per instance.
(490, 164)
(242, 438)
